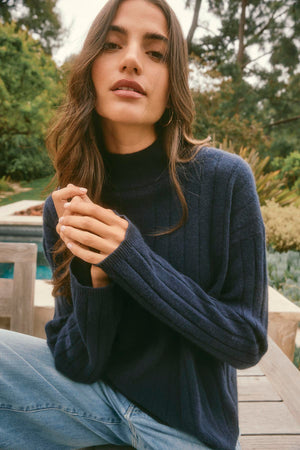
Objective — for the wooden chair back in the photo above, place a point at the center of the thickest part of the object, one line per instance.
(17, 294)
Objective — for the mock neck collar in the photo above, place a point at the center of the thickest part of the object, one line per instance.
(135, 169)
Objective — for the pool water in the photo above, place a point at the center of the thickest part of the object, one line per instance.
(42, 272)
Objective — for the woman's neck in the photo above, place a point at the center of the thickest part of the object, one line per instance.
(126, 138)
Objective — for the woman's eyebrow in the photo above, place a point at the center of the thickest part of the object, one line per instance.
(147, 36)
(155, 37)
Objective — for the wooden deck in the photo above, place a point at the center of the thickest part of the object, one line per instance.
(269, 403)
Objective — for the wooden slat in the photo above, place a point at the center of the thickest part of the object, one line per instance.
(6, 293)
(283, 331)
(5, 306)
(7, 286)
(284, 376)
(256, 389)
(23, 297)
(282, 442)
(19, 306)
(17, 252)
(267, 418)
(284, 317)
(278, 304)
(252, 371)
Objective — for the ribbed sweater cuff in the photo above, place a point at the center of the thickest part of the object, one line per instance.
(133, 238)
(81, 284)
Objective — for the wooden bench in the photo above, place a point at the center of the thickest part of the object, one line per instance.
(269, 403)
(17, 294)
(284, 317)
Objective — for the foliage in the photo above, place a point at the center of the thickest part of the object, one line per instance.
(30, 88)
(268, 185)
(4, 185)
(38, 190)
(255, 51)
(30, 165)
(38, 16)
(282, 226)
(284, 273)
(289, 169)
(271, 28)
(217, 114)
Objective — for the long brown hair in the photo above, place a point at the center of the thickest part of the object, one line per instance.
(72, 140)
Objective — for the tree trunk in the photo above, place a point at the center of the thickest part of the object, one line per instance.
(240, 55)
(194, 24)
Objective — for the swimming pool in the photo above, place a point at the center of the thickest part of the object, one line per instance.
(30, 234)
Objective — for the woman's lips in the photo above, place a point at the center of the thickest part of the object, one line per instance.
(125, 93)
(128, 89)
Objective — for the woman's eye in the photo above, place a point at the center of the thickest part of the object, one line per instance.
(157, 55)
(110, 46)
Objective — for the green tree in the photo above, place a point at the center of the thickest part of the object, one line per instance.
(282, 117)
(30, 88)
(213, 119)
(271, 28)
(256, 56)
(289, 169)
(38, 16)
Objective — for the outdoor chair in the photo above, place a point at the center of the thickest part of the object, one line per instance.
(17, 294)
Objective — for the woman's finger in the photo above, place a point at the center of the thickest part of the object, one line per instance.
(85, 254)
(98, 212)
(61, 196)
(89, 240)
(66, 213)
(86, 223)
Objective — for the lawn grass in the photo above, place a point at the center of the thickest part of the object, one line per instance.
(37, 192)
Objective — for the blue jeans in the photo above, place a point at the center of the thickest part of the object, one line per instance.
(42, 409)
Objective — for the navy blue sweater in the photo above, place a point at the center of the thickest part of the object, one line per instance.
(183, 310)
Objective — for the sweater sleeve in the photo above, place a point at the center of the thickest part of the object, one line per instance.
(233, 326)
(81, 334)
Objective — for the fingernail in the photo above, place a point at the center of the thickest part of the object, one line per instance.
(61, 219)
(69, 245)
(67, 204)
(63, 228)
(83, 190)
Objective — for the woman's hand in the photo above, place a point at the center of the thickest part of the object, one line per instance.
(92, 233)
(61, 196)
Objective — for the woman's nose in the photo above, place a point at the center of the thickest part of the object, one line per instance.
(131, 61)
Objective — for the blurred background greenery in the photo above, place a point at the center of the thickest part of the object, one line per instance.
(245, 80)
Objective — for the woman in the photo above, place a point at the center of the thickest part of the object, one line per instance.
(158, 252)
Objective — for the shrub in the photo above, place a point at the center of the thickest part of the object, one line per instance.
(289, 169)
(31, 87)
(30, 165)
(284, 273)
(282, 226)
(268, 184)
(4, 185)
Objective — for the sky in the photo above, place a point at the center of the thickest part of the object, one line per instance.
(78, 15)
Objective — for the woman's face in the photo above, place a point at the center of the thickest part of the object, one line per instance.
(131, 76)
